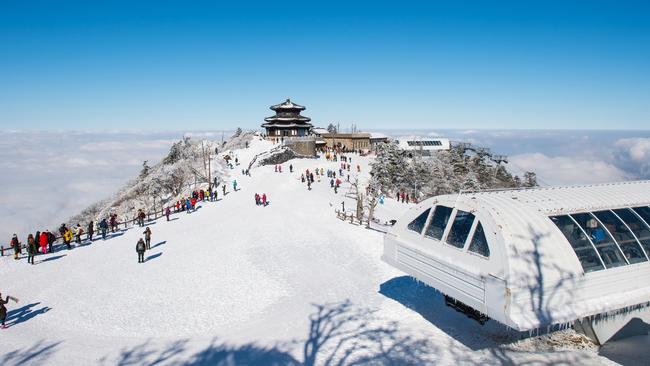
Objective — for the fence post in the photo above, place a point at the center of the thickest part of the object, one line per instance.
(2, 251)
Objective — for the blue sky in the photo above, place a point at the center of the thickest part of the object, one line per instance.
(211, 65)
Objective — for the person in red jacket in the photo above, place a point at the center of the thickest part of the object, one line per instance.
(43, 242)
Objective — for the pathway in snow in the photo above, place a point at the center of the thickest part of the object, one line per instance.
(234, 282)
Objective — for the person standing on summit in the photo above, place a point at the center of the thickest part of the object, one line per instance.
(15, 243)
(51, 238)
(3, 309)
(140, 248)
(31, 249)
(91, 231)
(43, 241)
(147, 238)
(103, 226)
(79, 232)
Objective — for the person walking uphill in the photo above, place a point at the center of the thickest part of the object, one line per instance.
(234, 185)
(140, 248)
(147, 238)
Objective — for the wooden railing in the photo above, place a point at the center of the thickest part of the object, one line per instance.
(151, 216)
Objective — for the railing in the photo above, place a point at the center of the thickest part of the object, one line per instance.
(126, 223)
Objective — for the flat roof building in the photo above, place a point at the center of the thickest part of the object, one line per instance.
(424, 145)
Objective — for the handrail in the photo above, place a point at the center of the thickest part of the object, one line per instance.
(97, 229)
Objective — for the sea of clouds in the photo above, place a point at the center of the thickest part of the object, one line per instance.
(48, 176)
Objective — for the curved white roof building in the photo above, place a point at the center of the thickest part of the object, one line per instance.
(536, 257)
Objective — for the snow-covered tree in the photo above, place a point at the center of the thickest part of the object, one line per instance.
(530, 179)
(145, 169)
(444, 172)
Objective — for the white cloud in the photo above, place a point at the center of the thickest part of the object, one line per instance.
(49, 176)
(82, 163)
(563, 170)
(114, 146)
(634, 155)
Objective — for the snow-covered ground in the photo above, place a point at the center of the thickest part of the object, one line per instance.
(234, 283)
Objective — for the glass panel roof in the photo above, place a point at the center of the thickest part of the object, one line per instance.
(460, 229)
(438, 223)
(418, 224)
(479, 243)
(581, 245)
(640, 229)
(622, 235)
(610, 253)
(644, 212)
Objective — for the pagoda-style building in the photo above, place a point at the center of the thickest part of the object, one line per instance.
(287, 121)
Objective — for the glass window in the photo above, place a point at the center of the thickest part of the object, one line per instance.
(605, 245)
(644, 212)
(460, 228)
(479, 244)
(580, 243)
(438, 222)
(638, 227)
(418, 224)
(622, 235)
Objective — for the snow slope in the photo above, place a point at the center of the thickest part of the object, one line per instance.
(233, 283)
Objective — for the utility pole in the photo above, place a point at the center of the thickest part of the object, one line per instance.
(210, 169)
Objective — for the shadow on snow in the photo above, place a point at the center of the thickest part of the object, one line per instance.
(25, 313)
(159, 244)
(36, 354)
(52, 258)
(153, 256)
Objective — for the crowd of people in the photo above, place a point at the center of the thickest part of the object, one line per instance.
(42, 242)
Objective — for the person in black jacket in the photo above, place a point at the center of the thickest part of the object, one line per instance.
(51, 238)
(16, 245)
(36, 237)
(139, 247)
(3, 311)
(91, 230)
(103, 226)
